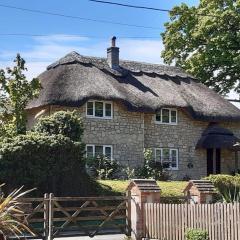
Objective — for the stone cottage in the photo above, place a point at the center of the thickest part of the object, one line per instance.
(127, 106)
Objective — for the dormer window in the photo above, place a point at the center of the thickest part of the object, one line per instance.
(167, 116)
(99, 109)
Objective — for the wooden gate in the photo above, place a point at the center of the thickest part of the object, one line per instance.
(52, 217)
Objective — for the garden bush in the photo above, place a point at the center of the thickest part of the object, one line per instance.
(103, 168)
(50, 163)
(66, 123)
(151, 168)
(196, 234)
(227, 185)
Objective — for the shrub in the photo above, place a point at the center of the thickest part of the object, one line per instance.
(103, 168)
(63, 122)
(12, 215)
(196, 234)
(151, 168)
(228, 186)
(51, 163)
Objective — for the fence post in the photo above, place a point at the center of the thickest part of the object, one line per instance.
(45, 217)
(141, 191)
(50, 216)
(128, 214)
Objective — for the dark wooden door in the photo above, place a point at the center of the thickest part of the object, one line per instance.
(209, 161)
(213, 161)
(218, 161)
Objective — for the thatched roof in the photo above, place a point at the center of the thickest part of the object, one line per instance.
(216, 136)
(74, 79)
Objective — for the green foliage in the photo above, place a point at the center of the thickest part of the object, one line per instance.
(102, 167)
(228, 186)
(50, 163)
(12, 216)
(151, 168)
(15, 92)
(204, 40)
(66, 123)
(196, 234)
(129, 172)
(7, 130)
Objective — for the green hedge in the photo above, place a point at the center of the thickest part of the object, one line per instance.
(50, 163)
(227, 185)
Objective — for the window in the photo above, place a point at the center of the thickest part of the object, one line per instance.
(167, 116)
(99, 150)
(99, 109)
(168, 157)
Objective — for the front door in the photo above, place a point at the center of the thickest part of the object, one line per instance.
(213, 161)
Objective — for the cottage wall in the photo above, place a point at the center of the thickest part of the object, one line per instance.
(184, 137)
(125, 132)
(130, 132)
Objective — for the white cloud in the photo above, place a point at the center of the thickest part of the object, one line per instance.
(60, 38)
(47, 49)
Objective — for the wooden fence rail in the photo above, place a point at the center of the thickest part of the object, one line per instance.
(170, 221)
(52, 217)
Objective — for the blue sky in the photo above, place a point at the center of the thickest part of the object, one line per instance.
(41, 51)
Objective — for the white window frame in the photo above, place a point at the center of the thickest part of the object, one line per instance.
(170, 120)
(104, 109)
(104, 149)
(170, 149)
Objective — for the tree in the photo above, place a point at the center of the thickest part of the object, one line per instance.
(205, 41)
(66, 123)
(15, 92)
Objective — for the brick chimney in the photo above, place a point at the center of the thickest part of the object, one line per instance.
(113, 55)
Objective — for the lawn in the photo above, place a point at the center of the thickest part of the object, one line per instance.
(169, 189)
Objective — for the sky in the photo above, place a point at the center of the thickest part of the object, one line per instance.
(93, 37)
(86, 37)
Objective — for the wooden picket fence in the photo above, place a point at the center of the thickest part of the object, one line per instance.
(170, 221)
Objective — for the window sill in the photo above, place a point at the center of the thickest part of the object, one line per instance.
(105, 118)
(161, 123)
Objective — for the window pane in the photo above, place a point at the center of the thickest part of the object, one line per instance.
(108, 110)
(89, 151)
(108, 152)
(166, 158)
(90, 108)
(98, 151)
(165, 115)
(158, 155)
(99, 109)
(173, 116)
(174, 158)
(158, 117)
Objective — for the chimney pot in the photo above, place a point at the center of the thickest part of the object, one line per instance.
(113, 55)
(114, 41)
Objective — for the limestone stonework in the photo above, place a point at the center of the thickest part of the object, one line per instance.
(130, 132)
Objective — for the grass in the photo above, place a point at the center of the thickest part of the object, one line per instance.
(169, 189)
